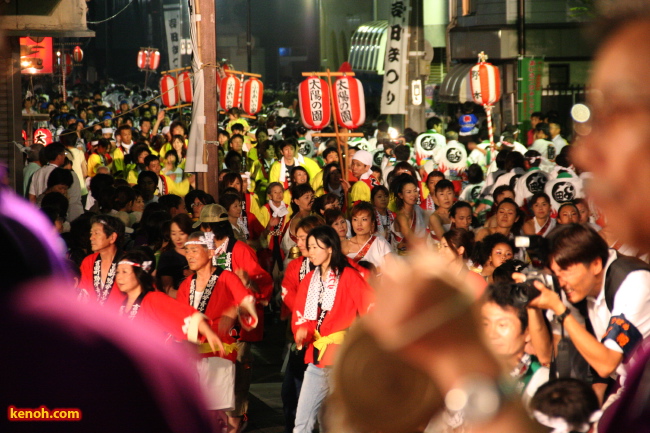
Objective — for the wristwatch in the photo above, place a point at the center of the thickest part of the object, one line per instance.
(560, 318)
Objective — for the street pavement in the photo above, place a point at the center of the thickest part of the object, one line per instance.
(265, 405)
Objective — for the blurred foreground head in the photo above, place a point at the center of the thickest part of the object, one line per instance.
(63, 354)
(614, 144)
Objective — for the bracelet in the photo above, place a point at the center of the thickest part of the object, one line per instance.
(560, 318)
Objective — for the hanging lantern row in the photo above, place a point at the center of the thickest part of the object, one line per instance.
(349, 103)
(485, 83)
(169, 91)
(185, 87)
(148, 58)
(247, 95)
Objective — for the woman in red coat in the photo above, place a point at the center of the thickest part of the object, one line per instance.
(329, 300)
(144, 304)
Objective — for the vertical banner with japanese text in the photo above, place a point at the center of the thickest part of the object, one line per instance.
(530, 88)
(394, 90)
(172, 16)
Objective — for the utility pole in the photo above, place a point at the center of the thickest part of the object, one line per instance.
(418, 69)
(207, 36)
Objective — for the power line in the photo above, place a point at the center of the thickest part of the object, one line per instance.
(110, 18)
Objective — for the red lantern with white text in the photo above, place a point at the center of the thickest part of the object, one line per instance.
(230, 92)
(349, 102)
(154, 60)
(77, 54)
(169, 91)
(42, 136)
(313, 98)
(253, 92)
(185, 87)
(142, 59)
(485, 83)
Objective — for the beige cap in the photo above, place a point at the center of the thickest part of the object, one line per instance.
(211, 213)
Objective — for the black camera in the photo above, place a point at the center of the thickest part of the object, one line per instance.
(523, 293)
(536, 248)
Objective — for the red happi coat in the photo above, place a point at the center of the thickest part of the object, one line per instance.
(296, 271)
(353, 298)
(86, 282)
(165, 312)
(244, 257)
(227, 294)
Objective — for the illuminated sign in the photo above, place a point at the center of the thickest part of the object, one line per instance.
(36, 57)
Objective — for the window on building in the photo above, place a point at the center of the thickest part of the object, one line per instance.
(558, 74)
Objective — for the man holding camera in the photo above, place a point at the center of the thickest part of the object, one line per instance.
(616, 290)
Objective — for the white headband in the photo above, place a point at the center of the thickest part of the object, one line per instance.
(206, 239)
(560, 425)
(145, 265)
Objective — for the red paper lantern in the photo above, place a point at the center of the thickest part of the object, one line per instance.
(77, 54)
(230, 92)
(253, 93)
(485, 82)
(24, 134)
(185, 87)
(42, 136)
(142, 59)
(349, 102)
(154, 60)
(169, 91)
(313, 97)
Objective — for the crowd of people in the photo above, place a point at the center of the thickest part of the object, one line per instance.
(292, 234)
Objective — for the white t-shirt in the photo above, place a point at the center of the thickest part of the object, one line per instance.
(39, 179)
(377, 252)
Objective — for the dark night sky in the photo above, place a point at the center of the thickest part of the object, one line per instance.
(275, 24)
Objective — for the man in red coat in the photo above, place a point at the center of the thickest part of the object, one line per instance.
(98, 269)
(238, 257)
(217, 293)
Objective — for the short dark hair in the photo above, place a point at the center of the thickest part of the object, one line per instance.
(572, 244)
(544, 128)
(500, 190)
(475, 174)
(170, 201)
(110, 225)
(123, 196)
(59, 176)
(150, 174)
(433, 122)
(533, 157)
(501, 295)
(329, 150)
(149, 159)
(56, 201)
(402, 152)
(443, 185)
(570, 399)
(376, 191)
(184, 222)
(436, 173)
(332, 215)
(309, 222)
(53, 150)
(298, 191)
(327, 235)
(227, 199)
(459, 205)
(203, 197)
(222, 229)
